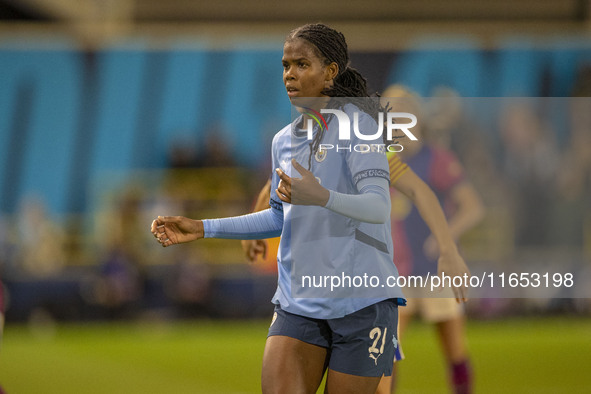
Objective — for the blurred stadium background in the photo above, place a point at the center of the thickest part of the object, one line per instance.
(114, 111)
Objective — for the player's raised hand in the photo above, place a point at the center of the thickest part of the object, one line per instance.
(172, 230)
(301, 191)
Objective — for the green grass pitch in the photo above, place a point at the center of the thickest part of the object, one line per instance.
(526, 355)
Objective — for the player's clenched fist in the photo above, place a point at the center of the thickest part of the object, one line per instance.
(172, 230)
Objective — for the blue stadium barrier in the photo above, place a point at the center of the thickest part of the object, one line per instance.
(68, 117)
(40, 95)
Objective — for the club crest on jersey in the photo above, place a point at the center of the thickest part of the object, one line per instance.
(320, 155)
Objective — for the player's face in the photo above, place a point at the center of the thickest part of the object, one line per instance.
(304, 73)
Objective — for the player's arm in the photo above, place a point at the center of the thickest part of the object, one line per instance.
(450, 262)
(371, 205)
(172, 230)
(263, 198)
(254, 247)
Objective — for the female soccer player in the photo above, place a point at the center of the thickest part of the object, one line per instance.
(333, 215)
(415, 249)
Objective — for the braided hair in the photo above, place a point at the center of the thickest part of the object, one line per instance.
(330, 46)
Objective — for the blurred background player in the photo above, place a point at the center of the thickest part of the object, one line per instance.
(415, 250)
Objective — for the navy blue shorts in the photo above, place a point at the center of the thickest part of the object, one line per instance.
(363, 343)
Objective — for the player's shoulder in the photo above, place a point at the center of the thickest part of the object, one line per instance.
(283, 133)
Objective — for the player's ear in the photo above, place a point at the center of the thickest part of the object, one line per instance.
(331, 71)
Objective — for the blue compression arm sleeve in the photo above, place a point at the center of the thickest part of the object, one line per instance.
(372, 205)
(263, 224)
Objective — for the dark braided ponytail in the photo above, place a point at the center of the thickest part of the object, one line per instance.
(331, 46)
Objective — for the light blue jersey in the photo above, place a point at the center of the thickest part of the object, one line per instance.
(319, 247)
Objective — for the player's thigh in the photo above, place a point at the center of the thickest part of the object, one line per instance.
(342, 383)
(385, 385)
(292, 366)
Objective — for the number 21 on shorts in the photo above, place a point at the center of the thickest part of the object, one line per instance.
(376, 335)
